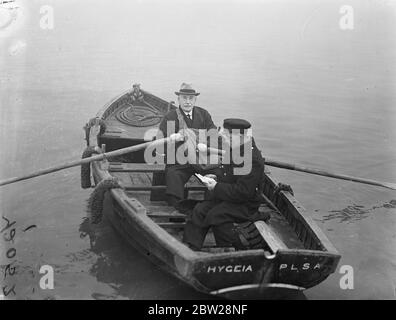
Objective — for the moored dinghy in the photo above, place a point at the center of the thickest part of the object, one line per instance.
(292, 253)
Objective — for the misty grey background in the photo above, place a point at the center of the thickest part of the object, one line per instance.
(316, 95)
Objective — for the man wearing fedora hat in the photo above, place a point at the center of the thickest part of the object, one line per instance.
(187, 115)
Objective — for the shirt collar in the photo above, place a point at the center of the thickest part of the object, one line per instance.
(188, 113)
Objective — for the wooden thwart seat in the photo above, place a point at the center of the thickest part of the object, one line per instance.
(173, 225)
(157, 182)
(269, 236)
(135, 167)
(173, 214)
(148, 188)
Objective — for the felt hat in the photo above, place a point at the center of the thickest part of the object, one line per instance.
(187, 89)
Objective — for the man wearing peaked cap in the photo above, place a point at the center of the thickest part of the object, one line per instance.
(236, 124)
(234, 197)
(187, 115)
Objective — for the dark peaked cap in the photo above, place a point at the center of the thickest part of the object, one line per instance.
(233, 123)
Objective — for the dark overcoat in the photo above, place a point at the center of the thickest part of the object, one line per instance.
(178, 174)
(201, 119)
(235, 198)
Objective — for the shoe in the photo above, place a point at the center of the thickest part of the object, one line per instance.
(249, 237)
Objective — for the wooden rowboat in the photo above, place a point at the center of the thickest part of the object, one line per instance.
(296, 256)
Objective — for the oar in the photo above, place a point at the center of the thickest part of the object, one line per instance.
(270, 162)
(86, 160)
(289, 166)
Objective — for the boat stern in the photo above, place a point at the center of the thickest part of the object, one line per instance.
(255, 274)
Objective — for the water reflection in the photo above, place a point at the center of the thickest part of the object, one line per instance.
(355, 212)
(128, 272)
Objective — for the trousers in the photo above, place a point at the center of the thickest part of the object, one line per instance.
(207, 215)
(177, 176)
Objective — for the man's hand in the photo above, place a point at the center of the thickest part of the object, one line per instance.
(202, 147)
(211, 176)
(210, 183)
(176, 137)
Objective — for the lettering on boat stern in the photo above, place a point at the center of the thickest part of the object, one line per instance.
(229, 268)
(307, 266)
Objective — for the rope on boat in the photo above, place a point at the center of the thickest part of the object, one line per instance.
(95, 201)
(86, 168)
(139, 116)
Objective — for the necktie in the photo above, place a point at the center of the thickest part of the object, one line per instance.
(188, 116)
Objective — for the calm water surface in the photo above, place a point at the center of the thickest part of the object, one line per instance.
(316, 96)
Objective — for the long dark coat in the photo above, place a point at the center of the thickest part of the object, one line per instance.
(235, 198)
(176, 175)
(201, 119)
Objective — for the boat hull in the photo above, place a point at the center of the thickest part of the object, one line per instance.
(252, 274)
(247, 274)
